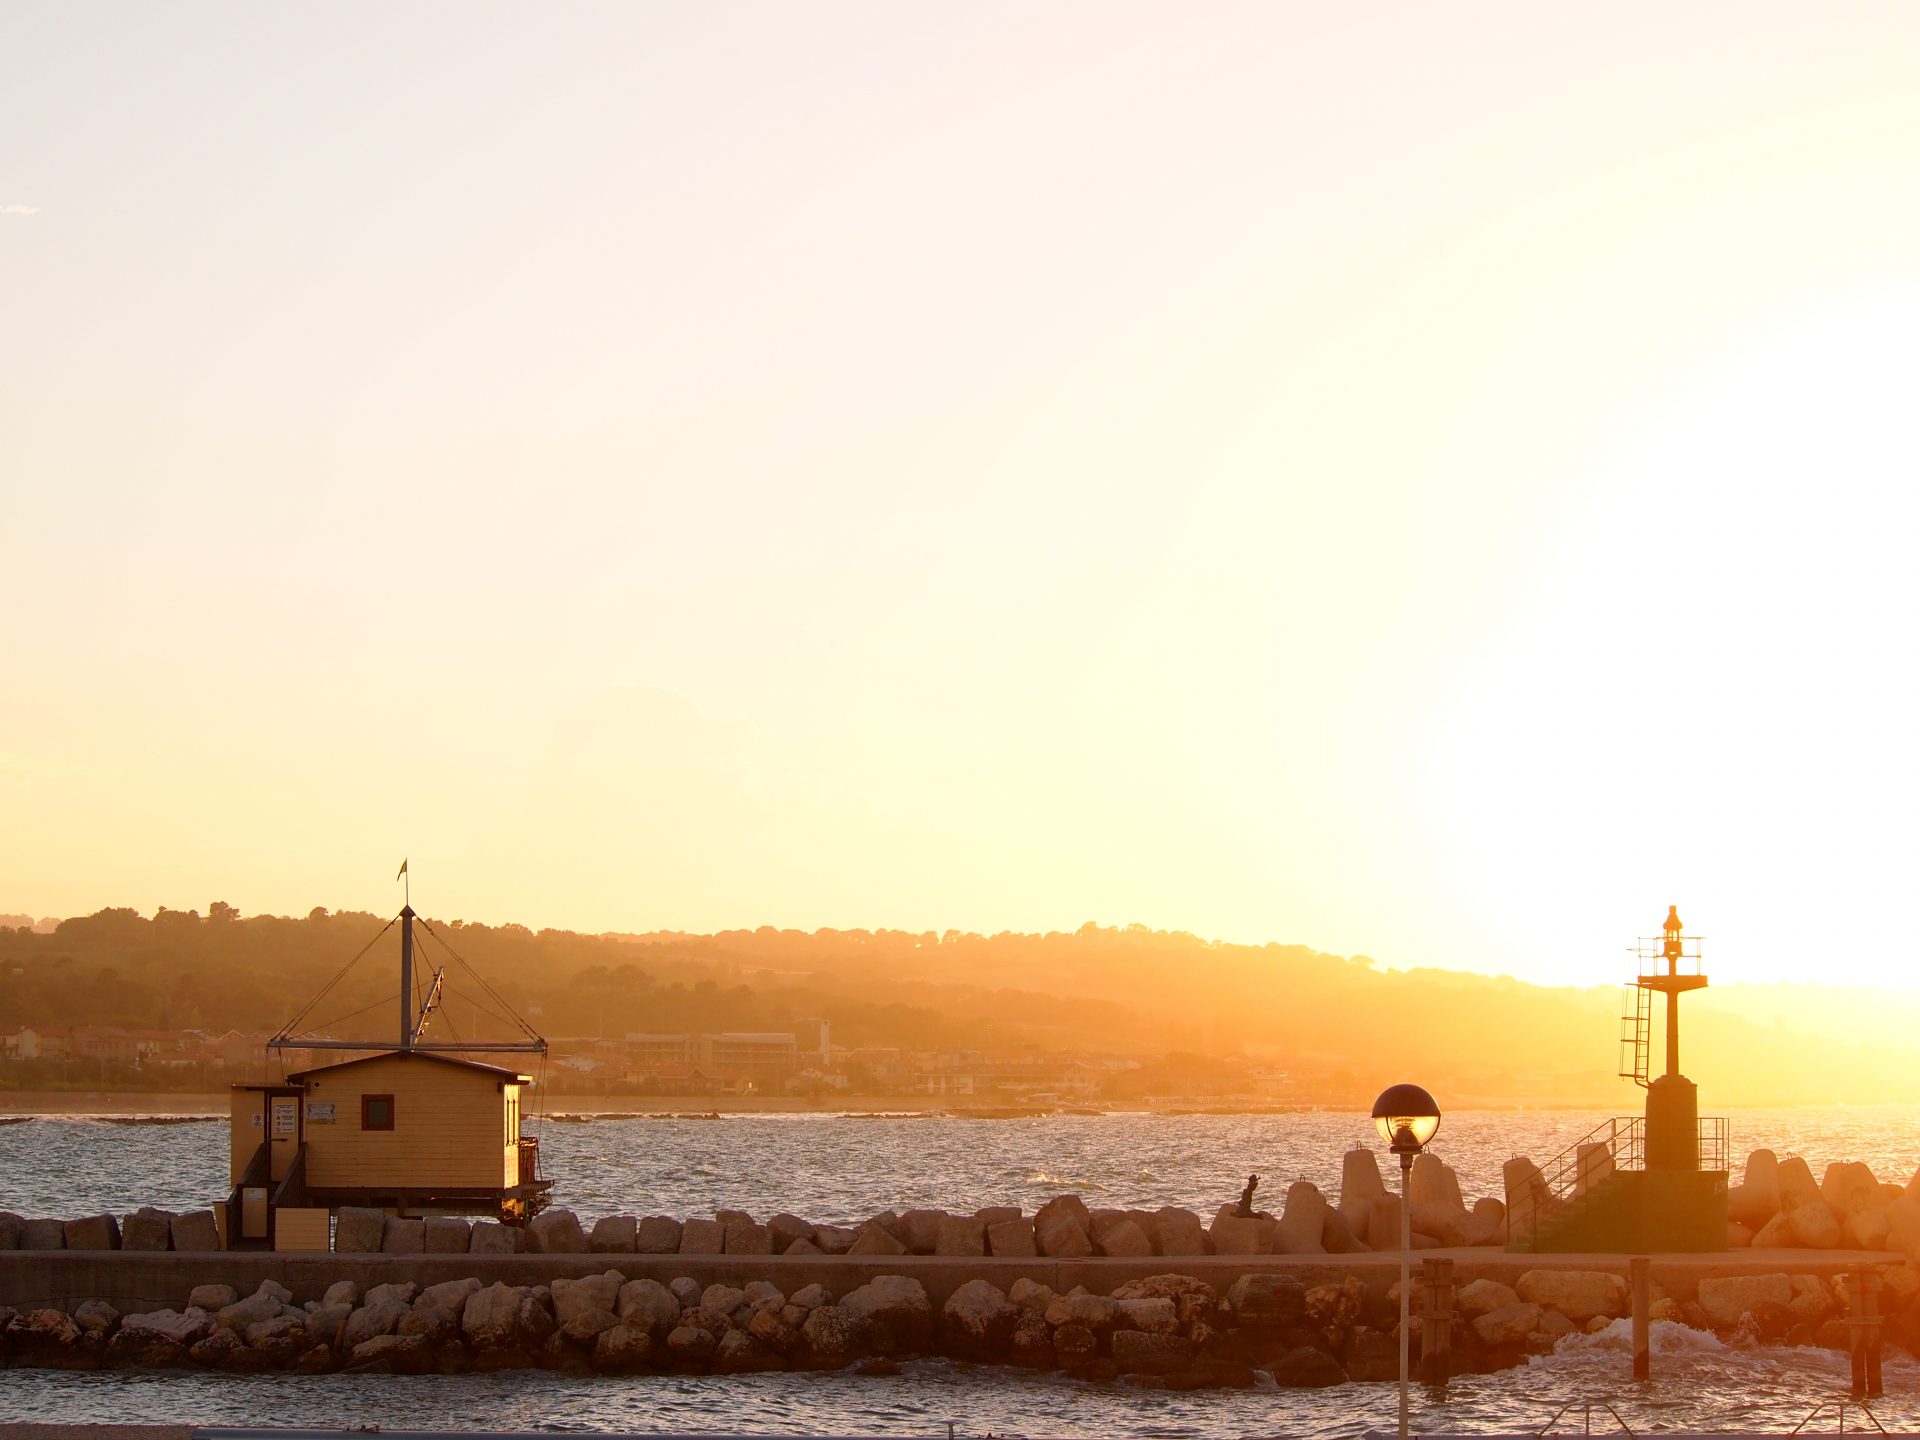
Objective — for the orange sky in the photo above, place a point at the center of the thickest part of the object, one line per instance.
(1429, 483)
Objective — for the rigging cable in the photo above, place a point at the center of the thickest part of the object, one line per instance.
(307, 1009)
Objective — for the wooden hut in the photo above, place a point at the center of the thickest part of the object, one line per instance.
(412, 1129)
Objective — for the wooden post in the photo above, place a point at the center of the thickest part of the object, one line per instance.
(1640, 1282)
(1436, 1320)
(1863, 1327)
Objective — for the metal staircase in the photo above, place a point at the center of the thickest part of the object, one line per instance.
(1584, 1178)
(1636, 1035)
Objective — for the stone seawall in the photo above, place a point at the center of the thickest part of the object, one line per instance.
(132, 1281)
(1214, 1321)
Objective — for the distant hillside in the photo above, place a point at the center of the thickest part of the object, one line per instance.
(1126, 991)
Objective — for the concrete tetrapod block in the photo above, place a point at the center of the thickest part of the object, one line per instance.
(490, 1237)
(703, 1237)
(448, 1235)
(657, 1235)
(147, 1229)
(195, 1232)
(357, 1230)
(613, 1235)
(402, 1236)
(1012, 1238)
(93, 1232)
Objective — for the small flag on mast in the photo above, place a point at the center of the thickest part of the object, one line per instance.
(401, 871)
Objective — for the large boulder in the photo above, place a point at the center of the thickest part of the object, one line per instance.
(745, 1236)
(1529, 1198)
(211, 1298)
(41, 1233)
(1507, 1324)
(1850, 1186)
(960, 1235)
(834, 1336)
(147, 1229)
(1267, 1301)
(787, 1230)
(556, 1232)
(447, 1235)
(491, 1317)
(266, 1303)
(897, 1308)
(1866, 1230)
(1125, 1239)
(1903, 1226)
(875, 1239)
(382, 1317)
(1814, 1226)
(356, 1230)
(180, 1327)
(1483, 1297)
(612, 1235)
(448, 1294)
(1141, 1352)
(1577, 1294)
(648, 1305)
(1445, 1223)
(1336, 1237)
(703, 1237)
(1383, 1223)
(1012, 1239)
(1178, 1231)
(1302, 1221)
(1071, 1206)
(1797, 1185)
(195, 1231)
(921, 1230)
(1060, 1236)
(93, 1232)
(977, 1322)
(1306, 1367)
(1725, 1298)
(572, 1298)
(1756, 1199)
(1432, 1182)
(657, 1235)
(1360, 1186)
(1488, 1221)
(1235, 1234)
(490, 1237)
(622, 1350)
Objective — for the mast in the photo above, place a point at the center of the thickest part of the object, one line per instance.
(406, 978)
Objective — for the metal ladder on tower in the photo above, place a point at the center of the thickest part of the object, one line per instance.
(1636, 1034)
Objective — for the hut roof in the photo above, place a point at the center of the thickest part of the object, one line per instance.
(498, 1073)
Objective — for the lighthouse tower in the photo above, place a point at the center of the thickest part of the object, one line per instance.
(1652, 1184)
(1673, 1101)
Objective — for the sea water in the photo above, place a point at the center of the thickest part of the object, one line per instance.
(834, 1168)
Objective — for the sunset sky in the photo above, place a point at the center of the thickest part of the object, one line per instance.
(1430, 482)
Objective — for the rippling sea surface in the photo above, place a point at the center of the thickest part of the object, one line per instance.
(838, 1168)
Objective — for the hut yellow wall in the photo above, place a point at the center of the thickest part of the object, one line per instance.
(447, 1127)
(249, 1131)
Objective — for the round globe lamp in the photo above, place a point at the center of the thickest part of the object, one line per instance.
(1407, 1119)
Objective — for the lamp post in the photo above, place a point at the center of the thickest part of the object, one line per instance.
(1406, 1118)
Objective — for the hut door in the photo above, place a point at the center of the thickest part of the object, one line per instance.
(283, 1133)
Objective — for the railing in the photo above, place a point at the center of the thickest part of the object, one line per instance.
(1711, 1145)
(292, 1189)
(1579, 1168)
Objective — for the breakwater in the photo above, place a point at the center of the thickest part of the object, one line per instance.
(1215, 1321)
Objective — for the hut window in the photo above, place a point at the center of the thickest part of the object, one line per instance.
(376, 1112)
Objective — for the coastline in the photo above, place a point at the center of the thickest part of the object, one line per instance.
(557, 1107)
